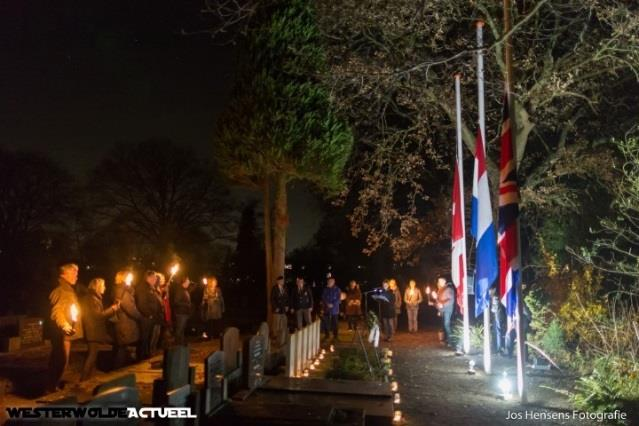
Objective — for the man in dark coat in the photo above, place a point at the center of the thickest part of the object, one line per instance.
(331, 297)
(301, 303)
(67, 324)
(94, 320)
(182, 309)
(387, 300)
(149, 304)
(280, 306)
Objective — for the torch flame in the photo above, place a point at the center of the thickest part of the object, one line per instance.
(205, 281)
(175, 268)
(74, 312)
(129, 279)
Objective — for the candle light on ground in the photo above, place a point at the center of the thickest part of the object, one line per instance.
(397, 417)
(390, 372)
(312, 366)
(397, 399)
(332, 348)
(316, 362)
(505, 386)
(321, 356)
(305, 373)
(394, 386)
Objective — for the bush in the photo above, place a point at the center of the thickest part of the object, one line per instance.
(612, 385)
(351, 365)
(476, 335)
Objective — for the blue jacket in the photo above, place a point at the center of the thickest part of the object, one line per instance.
(331, 295)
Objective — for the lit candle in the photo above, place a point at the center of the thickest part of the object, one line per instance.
(397, 417)
(321, 356)
(427, 290)
(305, 374)
(394, 386)
(332, 348)
(129, 279)
(390, 353)
(323, 351)
(312, 366)
(316, 362)
(397, 399)
(205, 281)
(390, 371)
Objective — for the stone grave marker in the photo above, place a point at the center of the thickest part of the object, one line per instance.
(305, 350)
(183, 397)
(254, 357)
(175, 370)
(231, 348)
(264, 331)
(115, 397)
(299, 360)
(128, 380)
(291, 355)
(30, 331)
(214, 386)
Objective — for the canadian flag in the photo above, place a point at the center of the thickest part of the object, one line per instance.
(458, 235)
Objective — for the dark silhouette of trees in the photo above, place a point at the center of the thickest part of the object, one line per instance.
(155, 199)
(36, 205)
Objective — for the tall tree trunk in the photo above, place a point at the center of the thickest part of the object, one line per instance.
(268, 246)
(280, 223)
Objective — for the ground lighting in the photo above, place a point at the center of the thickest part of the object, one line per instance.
(397, 417)
(505, 386)
(471, 367)
(394, 386)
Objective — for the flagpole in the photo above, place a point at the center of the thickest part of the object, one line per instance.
(508, 59)
(466, 327)
(482, 129)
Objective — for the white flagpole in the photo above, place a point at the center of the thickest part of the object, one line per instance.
(460, 166)
(482, 130)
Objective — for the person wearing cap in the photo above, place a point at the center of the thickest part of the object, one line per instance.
(331, 297)
(279, 306)
(65, 328)
(301, 303)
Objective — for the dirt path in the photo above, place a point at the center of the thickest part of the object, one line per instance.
(436, 390)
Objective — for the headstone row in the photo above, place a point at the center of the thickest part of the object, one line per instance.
(303, 347)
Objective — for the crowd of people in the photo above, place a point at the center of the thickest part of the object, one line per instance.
(150, 314)
(299, 303)
(153, 313)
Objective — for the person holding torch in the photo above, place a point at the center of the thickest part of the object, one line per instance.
(127, 331)
(65, 314)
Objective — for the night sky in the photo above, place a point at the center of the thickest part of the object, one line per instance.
(79, 76)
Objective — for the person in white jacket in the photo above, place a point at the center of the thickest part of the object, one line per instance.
(412, 299)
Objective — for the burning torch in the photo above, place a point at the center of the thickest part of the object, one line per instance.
(75, 312)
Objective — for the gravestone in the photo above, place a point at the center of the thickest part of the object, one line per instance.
(128, 380)
(117, 397)
(305, 351)
(254, 355)
(175, 370)
(291, 355)
(299, 360)
(214, 385)
(30, 331)
(264, 331)
(231, 348)
(182, 397)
